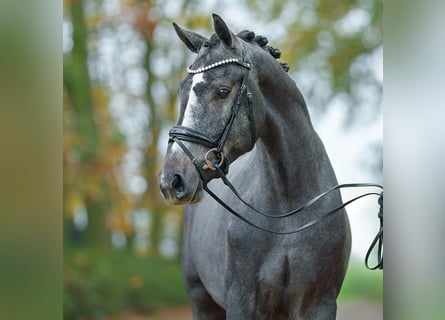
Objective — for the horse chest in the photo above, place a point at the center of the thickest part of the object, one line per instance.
(225, 248)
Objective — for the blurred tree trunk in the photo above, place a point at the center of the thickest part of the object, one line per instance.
(77, 81)
(78, 86)
(151, 198)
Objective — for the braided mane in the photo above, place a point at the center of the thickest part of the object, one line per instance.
(249, 36)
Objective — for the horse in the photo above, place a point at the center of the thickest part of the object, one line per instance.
(242, 118)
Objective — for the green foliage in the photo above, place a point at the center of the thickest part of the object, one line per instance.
(327, 39)
(361, 283)
(104, 283)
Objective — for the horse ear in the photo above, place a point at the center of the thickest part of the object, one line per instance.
(192, 40)
(222, 31)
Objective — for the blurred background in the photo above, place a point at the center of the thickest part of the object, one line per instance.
(121, 67)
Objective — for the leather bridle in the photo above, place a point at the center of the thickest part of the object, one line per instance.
(181, 133)
(219, 165)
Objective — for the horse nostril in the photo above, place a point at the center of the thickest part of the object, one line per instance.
(178, 185)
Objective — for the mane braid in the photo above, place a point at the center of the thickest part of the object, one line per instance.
(249, 36)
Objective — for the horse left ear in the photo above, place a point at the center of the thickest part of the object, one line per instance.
(223, 32)
(192, 40)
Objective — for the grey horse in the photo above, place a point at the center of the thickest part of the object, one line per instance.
(276, 161)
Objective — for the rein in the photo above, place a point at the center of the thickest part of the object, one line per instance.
(181, 133)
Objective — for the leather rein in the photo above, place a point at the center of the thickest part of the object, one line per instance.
(219, 164)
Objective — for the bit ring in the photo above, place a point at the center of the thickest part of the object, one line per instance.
(209, 164)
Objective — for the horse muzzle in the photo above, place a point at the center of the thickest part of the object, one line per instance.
(180, 184)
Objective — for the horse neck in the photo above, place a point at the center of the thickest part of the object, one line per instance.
(292, 153)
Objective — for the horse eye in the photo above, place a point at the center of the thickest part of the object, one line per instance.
(223, 92)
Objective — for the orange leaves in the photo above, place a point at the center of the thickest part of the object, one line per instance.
(144, 19)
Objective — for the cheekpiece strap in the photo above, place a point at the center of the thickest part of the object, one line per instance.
(219, 63)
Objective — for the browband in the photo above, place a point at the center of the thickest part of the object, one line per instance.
(217, 64)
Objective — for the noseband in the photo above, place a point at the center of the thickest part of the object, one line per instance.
(181, 133)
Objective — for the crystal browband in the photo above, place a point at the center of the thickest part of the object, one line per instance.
(219, 63)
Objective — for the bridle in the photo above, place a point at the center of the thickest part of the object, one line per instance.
(180, 133)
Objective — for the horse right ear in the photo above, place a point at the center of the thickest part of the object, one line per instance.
(192, 40)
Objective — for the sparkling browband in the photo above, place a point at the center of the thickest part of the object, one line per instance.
(219, 63)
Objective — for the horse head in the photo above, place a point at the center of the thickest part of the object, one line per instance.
(222, 110)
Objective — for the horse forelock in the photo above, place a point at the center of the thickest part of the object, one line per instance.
(214, 40)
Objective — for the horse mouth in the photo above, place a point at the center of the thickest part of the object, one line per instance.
(197, 196)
